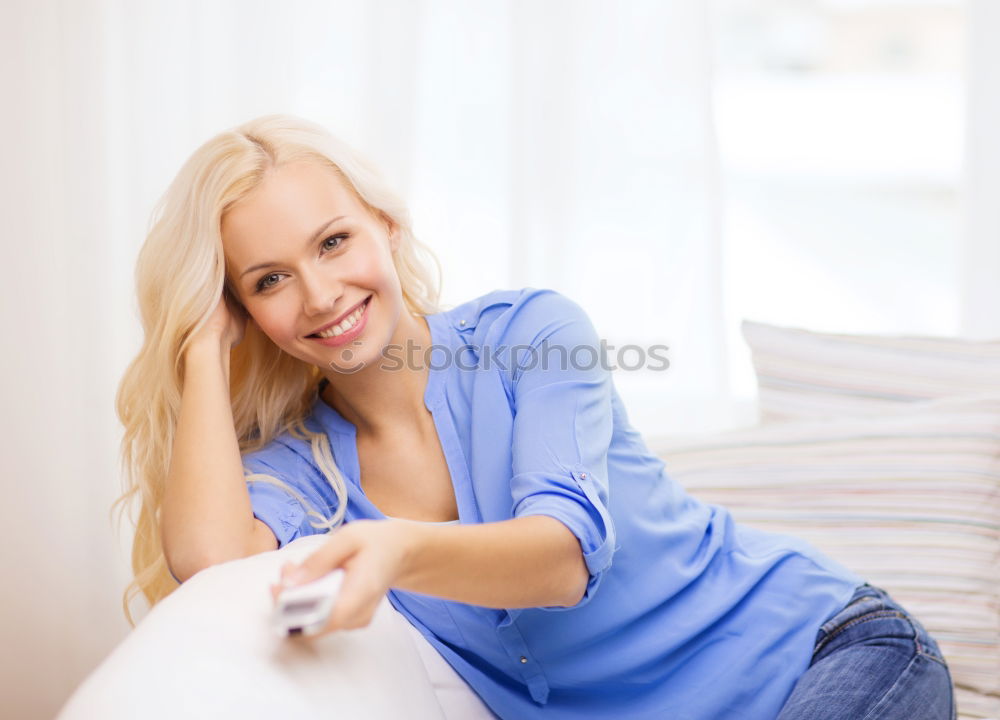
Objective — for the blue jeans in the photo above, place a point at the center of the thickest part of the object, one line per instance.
(873, 661)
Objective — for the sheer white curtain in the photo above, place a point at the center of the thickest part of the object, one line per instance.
(549, 144)
(556, 144)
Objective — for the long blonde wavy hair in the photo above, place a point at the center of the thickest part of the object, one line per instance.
(180, 275)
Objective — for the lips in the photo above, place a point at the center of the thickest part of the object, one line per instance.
(339, 320)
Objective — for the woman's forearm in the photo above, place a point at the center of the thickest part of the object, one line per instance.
(532, 561)
(206, 515)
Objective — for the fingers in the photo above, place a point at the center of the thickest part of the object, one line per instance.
(330, 556)
(290, 575)
(356, 604)
(363, 586)
(354, 607)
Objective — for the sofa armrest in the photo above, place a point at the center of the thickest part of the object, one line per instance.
(208, 651)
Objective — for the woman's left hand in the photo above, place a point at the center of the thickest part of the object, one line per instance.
(372, 554)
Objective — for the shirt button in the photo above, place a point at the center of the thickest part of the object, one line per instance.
(583, 475)
(524, 659)
(461, 322)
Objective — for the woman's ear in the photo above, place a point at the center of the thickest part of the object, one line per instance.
(392, 231)
(393, 236)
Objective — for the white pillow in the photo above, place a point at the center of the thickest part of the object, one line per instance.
(803, 374)
(909, 499)
(207, 651)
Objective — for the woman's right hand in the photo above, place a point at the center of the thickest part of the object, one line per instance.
(226, 325)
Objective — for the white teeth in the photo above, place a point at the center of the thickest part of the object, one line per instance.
(345, 325)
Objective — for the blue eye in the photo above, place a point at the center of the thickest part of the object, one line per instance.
(263, 285)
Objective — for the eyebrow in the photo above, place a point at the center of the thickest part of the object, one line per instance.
(309, 242)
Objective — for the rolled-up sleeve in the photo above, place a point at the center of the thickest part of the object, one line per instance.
(286, 510)
(563, 423)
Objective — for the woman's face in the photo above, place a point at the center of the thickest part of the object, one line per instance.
(303, 252)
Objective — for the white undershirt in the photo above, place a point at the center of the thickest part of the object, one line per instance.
(458, 701)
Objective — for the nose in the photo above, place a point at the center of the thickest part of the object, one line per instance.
(319, 294)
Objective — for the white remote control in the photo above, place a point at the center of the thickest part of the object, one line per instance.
(304, 609)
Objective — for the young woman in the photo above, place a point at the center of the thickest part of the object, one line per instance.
(474, 464)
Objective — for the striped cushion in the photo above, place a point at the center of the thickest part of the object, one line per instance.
(805, 374)
(908, 498)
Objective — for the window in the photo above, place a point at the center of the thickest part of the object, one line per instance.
(840, 132)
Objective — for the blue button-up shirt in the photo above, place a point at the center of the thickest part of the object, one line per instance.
(686, 615)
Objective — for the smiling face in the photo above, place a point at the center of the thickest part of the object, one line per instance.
(296, 272)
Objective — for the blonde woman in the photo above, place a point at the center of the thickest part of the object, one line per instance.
(475, 465)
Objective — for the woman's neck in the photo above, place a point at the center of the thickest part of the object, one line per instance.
(380, 401)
